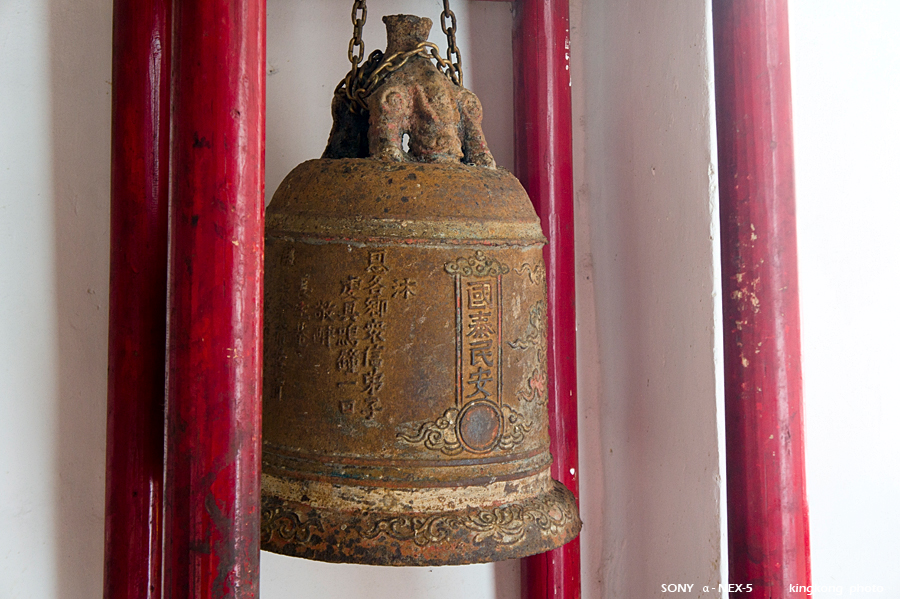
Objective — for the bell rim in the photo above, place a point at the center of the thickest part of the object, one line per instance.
(484, 532)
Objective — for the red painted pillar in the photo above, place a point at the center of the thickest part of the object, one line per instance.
(543, 109)
(215, 283)
(768, 529)
(137, 299)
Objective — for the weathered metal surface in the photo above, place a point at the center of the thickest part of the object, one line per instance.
(405, 369)
(412, 98)
(534, 515)
(443, 120)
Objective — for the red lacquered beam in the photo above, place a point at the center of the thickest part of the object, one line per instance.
(215, 284)
(137, 299)
(543, 126)
(768, 529)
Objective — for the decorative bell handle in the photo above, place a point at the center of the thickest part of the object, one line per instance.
(401, 95)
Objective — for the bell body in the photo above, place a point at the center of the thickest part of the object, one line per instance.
(405, 402)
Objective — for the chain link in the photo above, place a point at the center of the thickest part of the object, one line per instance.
(357, 48)
(395, 61)
(453, 56)
(364, 77)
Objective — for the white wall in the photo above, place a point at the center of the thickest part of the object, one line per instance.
(648, 298)
(846, 91)
(28, 327)
(54, 255)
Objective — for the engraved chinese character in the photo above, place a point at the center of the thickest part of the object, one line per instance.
(372, 357)
(287, 258)
(478, 379)
(480, 351)
(375, 331)
(479, 325)
(347, 406)
(376, 262)
(376, 308)
(350, 312)
(375, 286)
(480, 294)
(349, 361)
(373, 382)
(326, 311)
(324, 335)
(372, 407)
(350, 286)
(348, 335)
(304, 285)
(302, 334)
(404, 288)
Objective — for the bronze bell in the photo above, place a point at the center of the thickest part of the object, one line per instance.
(405, 397)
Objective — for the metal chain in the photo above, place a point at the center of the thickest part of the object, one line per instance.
(360, 82)
(395, 61)
(357, 48)
(452, 48)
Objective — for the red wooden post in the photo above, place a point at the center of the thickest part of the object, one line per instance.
(137, 299)
(215, 283)
(543, 109)
(768, 528)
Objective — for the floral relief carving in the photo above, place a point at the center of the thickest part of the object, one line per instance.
(514, 429)
(478, 265)
(537, 274)
(534, 337)
(505, 525)
(439, 435)
(536, 332)
(287, 525)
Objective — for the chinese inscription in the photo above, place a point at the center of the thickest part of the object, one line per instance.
(479, 422)
(479, 281)
(354, 327)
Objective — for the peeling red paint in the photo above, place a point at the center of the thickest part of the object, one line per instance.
(543, 111)
(215, 295)
(768, 529)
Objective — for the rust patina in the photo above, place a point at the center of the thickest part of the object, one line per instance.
(405, 401)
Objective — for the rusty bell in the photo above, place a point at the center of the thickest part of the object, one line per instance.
(405, 374)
